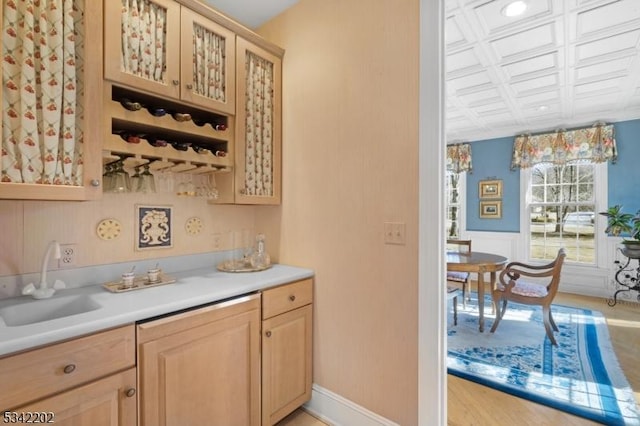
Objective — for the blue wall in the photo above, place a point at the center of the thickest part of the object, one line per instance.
(624, 175)
(492, 160)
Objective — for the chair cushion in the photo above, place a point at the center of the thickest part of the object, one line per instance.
(457, 276)
(528, 289)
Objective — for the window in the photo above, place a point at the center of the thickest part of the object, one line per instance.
(562, 208)
(455, 196)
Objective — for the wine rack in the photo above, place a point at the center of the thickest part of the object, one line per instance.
(213, 151)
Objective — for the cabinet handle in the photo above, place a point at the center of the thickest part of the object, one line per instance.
(175, 82)
(292, 298)
(68, 369)
(189, 86)
(130, 392)
(268, 334)
(95, 182)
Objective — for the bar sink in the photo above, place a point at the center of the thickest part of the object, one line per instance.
(35, 311)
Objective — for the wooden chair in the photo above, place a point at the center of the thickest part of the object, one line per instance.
(452, 294)
(461, 246)
(511, 287)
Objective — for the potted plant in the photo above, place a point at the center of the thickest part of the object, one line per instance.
(617, 222)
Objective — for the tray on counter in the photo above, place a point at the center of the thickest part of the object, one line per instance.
(240, 266)
(139, 283)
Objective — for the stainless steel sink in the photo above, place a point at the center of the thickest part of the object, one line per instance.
(35, 311)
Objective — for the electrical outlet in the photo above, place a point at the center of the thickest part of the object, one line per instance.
(395, 233)
(69, 253)
(217, 240)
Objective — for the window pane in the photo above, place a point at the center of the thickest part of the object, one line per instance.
(537, 194)
(566, 216)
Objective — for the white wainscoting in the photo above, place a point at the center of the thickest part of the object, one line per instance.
(585, 280)
(339, 411)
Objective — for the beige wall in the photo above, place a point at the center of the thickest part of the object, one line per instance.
(27, 227)
(351, 163)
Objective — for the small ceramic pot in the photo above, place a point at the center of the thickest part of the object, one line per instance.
(153, 275)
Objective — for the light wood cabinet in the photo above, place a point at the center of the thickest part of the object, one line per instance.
(286, 349)
(169, 50)
(258, 154)
(87, 112)
(37, 373)
(109, 401)
(202, 366)
(90, 380)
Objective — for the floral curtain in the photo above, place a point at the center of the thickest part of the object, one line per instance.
(144, 35)
(208, 64)
(42, 65)
(459, 158)
(259, 126)
(596, 144)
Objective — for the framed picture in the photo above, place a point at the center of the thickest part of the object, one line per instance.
(490, 188)
(491, 209)
(153, 227)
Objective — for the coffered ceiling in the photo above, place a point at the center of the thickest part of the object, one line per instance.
(561, 64)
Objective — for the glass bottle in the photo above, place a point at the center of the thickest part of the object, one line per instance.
(260, 258)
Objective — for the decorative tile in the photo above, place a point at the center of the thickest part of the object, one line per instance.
(108, 229)
(193, 226)
(154, 227)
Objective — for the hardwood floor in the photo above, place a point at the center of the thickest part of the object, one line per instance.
(473, 404)
(300, 418)
(477, 405)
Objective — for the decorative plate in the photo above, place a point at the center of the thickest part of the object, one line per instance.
(108, 229)
(193, 226)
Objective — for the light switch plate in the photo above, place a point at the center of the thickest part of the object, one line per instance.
(395, 233)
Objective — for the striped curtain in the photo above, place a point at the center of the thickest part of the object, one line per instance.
(459, 158)
(596, 144)
(42, 118)
(144, 33)
(259, 126)
(208, 64)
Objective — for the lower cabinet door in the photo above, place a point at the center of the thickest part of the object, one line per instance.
(286, 363)
(202, 367)
(109, 401)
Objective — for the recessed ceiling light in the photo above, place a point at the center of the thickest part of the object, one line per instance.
(515, 8)
(543, 108)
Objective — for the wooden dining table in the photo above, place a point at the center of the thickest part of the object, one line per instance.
(479, 263)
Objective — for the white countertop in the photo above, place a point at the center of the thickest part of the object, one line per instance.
(192, 288)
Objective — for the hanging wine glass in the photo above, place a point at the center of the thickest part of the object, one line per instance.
(135, 180)
(120, 181)
(147, 180)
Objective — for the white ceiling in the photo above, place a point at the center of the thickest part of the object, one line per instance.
(579, 59)
(251, 13)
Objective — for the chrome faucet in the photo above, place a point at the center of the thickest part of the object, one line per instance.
(44, 291)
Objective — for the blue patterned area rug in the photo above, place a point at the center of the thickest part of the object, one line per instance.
(581, 376)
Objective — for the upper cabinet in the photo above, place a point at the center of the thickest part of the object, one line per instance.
(258, 125)
(161, 47)
(51, 101)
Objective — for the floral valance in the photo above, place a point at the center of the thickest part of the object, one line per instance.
(459, 158)
(596, 144)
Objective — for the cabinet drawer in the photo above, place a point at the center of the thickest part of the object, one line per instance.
(286, 297)
(32, 375)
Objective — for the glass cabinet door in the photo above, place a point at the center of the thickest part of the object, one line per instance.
(50, 140)
(258, 125)
(142, 45)
(208, 63)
